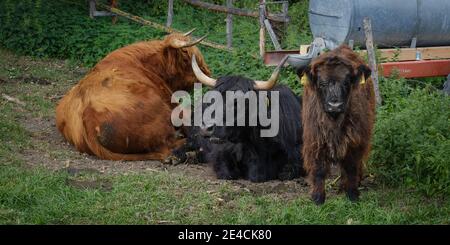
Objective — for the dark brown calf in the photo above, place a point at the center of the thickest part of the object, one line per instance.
(338, 116)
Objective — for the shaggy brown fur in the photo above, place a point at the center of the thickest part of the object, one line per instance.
(121, 110)
(344, 140)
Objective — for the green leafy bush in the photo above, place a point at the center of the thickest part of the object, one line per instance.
(64, 30)
(412, 138)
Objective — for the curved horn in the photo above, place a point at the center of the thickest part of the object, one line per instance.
(265, 85)
(202, 77)
(183, 44)
(189, 32)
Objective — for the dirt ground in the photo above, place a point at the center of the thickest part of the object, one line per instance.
(50, 150)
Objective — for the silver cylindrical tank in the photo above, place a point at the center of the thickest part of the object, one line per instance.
(394, 22)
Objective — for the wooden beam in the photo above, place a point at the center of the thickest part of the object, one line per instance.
(404, 54)
(433, 53)
(235, 11)
(169, 13)
(272, 35)
(408, 54)
(229, 21)
(371, 55)
(285, 11)
(114, 5)
(91, 8)
(262, 33)
(137, 19)
(158, 26)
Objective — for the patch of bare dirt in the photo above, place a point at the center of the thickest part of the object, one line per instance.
(50, 150)
(27, 79)
(36, 80)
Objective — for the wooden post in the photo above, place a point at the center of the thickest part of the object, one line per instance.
(229, 25)
(351, 43)
(169, 13)
(94, 13)
(262, 17)
(91, 8)
(286, 15)
(114, 5)
(371, 55)
(272, 35)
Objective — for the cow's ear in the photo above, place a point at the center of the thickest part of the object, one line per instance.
(305, 75)
(363, 74)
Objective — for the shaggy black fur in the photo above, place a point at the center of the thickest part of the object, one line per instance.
(240, 152)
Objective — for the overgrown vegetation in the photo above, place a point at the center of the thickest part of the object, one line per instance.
(410, 145)
(412, 137)
(63, 29)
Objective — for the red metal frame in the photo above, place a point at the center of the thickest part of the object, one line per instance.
(421, 68)
(407, 69)
(272, 58)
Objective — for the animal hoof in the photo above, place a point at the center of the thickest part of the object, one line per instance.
(353, 195)
(318, 198)
(172, 160)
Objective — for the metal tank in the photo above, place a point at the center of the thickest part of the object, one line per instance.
(395, 23)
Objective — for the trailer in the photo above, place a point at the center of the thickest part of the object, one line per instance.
(413, 37)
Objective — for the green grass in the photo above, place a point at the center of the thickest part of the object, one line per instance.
(42, 197)
(35, 195)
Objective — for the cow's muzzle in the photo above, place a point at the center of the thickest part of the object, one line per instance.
(335, 108)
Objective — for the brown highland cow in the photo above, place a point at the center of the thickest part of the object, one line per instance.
(121, 110)
(338, 116)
